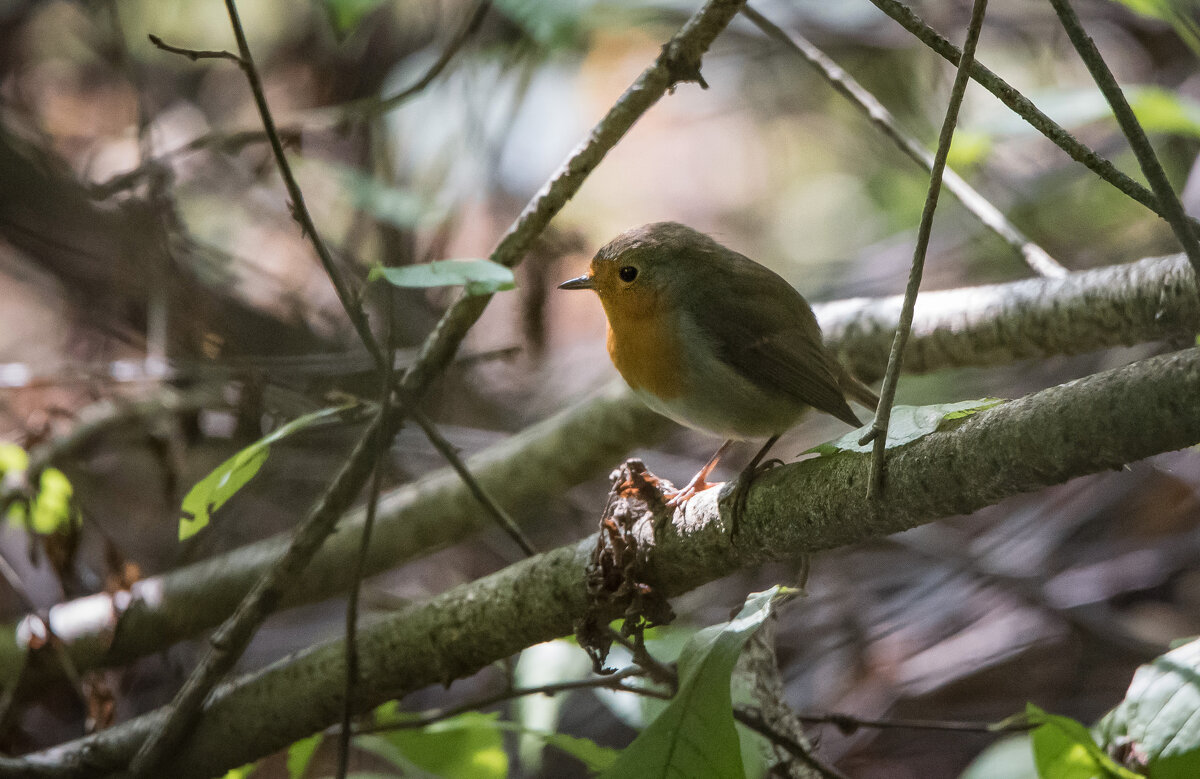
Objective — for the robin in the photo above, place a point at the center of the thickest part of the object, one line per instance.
(715, 341)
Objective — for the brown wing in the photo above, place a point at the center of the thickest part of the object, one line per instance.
(768, 333)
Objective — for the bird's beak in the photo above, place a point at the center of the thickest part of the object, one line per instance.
(582, 282)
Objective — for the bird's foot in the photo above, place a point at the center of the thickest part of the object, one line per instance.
(690, 490)
(741, 492)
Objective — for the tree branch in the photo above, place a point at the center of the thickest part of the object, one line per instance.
(891, 377)
(1037, 258)
(1148, 161)
(1149, 300)
(1024, 108)
(1092, 424)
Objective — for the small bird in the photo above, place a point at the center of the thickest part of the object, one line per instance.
(715, 341)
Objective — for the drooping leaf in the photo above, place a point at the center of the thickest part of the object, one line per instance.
(1159, 720)
(211, 492)
(300, 754)
(1063, 748)
(479, 277)
(546, 663)
(695, 734)
(908, 423)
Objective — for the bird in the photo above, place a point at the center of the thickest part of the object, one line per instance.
(715, 341)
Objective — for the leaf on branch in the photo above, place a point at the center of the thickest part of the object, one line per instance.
(695, 734)
(479, 277)
(1063, 748)
(211, 492)
(1158, 723)
(908, 423)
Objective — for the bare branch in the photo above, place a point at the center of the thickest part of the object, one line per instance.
(1151, 168)
(991, 217)
(887, 394)
(1089, 425)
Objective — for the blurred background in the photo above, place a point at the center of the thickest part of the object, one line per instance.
(146, 245)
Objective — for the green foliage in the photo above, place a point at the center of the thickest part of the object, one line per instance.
(1158, 723)
(1064, 749)
(695, 734)
(346, 15)
(51, 509)
(479, 277)
(554, 24)
(1180, 14)
(908, 423)
(469, 746)
(241, 772)
(300, 754)
(402, 208)
(211, 492)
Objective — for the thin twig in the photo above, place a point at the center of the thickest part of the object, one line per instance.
(352, 306)
(1024, 108)
(611, 682)
(195, 54)
(1151, 168)
(752, 719)
(1037, 258)
(679, 61)
(887, 393)
(848, 724)
(470, 26)
(364, 545)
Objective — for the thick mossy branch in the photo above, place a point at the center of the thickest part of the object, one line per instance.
(1150, 300)
(1092, 424)
(997, 324)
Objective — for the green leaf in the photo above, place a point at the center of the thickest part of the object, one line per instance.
(1064, 749)
(211, 492)
(52, 508)
(469, 746)
(241, 772)
(908, 423)
(1159, 720)
(300, 754)
(12, 458)
(695, 734)
(346, 15)
(480, 277)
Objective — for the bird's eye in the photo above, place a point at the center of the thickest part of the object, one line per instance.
(627, 273)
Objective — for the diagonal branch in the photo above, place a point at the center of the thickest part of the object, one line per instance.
(1024, 108)
(991, 217)
(1086, 426)
(1140, 302)
(679, 61)
(1151, 168)
(887, 394)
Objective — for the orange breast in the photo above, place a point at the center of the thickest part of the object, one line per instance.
(647, 354)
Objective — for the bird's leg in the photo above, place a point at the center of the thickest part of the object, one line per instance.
(699, 482)
(741, 488)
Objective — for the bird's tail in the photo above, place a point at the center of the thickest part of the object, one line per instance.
(854, 389)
